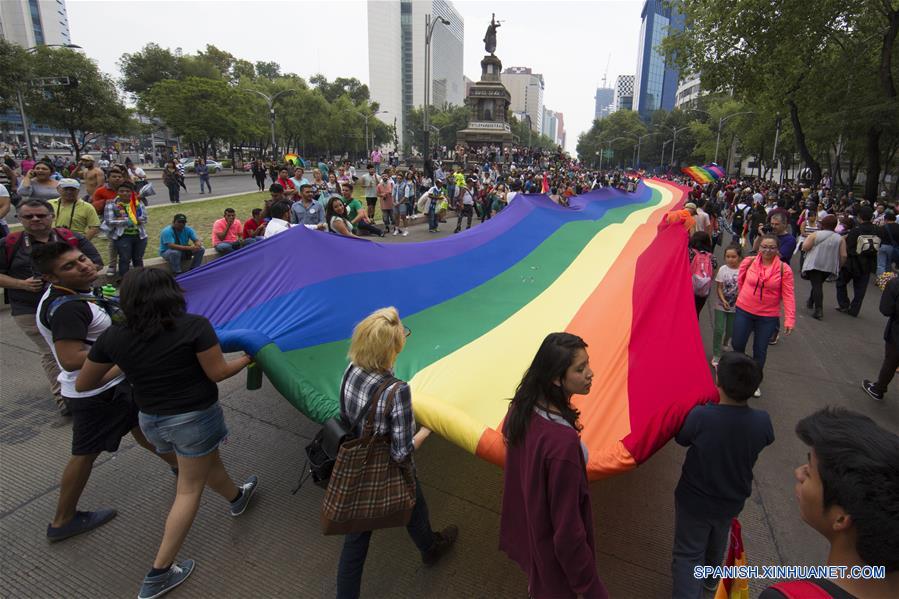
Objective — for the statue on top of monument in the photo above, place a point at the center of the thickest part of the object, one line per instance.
(490, 36)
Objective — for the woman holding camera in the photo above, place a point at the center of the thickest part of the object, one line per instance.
(375, 345)
(766, 283)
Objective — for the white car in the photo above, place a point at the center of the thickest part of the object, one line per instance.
(214, 165)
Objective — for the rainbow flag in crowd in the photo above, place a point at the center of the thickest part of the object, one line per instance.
(294, 159)
(734, 588)
(609, 268)
(704, 174)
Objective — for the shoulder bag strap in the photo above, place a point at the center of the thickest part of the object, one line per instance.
(371, 407)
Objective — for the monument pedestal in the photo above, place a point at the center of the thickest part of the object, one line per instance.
(488, 102)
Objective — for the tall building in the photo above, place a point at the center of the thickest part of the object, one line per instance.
(396, 65)
(656, 83)
(550, 124)
(624, 92)
(526, 89)
(34, 22)
(688, 92)
(560, 132)
(605, 102)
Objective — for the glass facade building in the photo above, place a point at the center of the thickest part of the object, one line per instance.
(656, 82)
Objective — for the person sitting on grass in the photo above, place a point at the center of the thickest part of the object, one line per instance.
(725, 440)
(336, 216)
(226, 233)
(178, 241)
(356, 214)
(280, 220)
(848, 492)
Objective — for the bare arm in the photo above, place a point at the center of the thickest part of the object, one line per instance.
(843, 254)
(5, 205)
(809, 242)
(32, 284)
(420, 437)
(340, 227)
(92, 375)
(217, 368)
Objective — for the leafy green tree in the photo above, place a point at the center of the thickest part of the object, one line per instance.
(89, 106)
(268, 70)
(331, 90)
(15, 69)
(150, 65)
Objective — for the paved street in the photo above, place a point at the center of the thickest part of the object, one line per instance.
(276, 548)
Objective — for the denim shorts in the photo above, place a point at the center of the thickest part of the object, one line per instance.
(190, 435)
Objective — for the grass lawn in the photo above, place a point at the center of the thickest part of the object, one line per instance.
(200, 216)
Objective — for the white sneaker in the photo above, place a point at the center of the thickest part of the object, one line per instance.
(396, 232)
(405, 233)
(758, 392)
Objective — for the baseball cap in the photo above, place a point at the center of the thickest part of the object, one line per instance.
(68, 184)
(87, 158)
(180, 218)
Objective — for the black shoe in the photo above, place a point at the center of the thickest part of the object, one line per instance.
(818, 315)
(443, 540)
(873, 393)
(842, 309)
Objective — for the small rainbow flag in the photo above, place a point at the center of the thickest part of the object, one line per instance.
(545, 187)
(293, 159)
(734, 588)
(704, 174)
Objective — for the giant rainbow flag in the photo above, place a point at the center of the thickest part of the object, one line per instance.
(608, 268)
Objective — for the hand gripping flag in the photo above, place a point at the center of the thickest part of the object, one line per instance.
(734, 588)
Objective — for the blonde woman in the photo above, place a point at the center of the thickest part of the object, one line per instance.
(375, 345)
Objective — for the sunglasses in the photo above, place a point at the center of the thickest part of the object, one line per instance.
(33, 216)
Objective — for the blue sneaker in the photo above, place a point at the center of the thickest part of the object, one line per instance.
(157, 586)
(246, 492)
(82, 522)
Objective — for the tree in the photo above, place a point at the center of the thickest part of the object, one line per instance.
(148, 66)
(199, 110)
(268, 70)
(15, 69)
(355, 89)
(88, 106)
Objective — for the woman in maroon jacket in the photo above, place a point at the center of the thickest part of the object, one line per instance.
(546, 525)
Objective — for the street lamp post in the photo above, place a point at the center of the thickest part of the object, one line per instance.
(21, 101)
(662, 156)
(366, 117)
(429, 31)
(271, 112)
(721, 122)
(610, 142)
(674, 140)
(639, 143)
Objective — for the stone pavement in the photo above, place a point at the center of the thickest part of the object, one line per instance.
(276, 549)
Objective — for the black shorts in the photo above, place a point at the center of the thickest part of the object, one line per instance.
(371, 201)
(467, 210)
(99, 422)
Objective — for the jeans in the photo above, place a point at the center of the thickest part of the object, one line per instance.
(761, 328)
(226, 247)
(698, 541)
(369, 228)
(816, 298)
(174, 192)
(884, 259)
(205, 179)
(888, 368)
(724, 330)
(355, 547)
(173, 257)
(189, 434)
(432, 216)
(859, 282)
(131, 250)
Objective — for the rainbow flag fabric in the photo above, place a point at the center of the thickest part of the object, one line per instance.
(608, 268)
(704, 174)
(734, 588)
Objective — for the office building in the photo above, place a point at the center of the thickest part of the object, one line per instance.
(526, 91)
(550, 124)
(605, 102)
(624, 92)
(688, 93)
(32, 23)
(396, 50)
(560, 131)
(655, 86)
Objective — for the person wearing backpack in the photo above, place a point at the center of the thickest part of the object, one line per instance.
(765, 283)
(70, 317)
(22, 281)
(702, 268)
(862, 245)
(738, 222)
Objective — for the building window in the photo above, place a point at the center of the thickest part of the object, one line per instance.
(36, 22)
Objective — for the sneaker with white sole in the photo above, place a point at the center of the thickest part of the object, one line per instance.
(406, 233)
(872, 392)
(246, 493)
(758, 392)
(157, 586)
(396, 232)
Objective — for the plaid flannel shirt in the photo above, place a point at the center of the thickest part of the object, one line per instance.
(358, 387)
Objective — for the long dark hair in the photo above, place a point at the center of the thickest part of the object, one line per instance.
(151, 300)
(329, 210)
(555, 356)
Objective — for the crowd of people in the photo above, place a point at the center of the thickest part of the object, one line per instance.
(144, 366)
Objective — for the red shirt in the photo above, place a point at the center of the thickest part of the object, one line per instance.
(546, 525)
(100, 198)
(286, 184)
(250, 227)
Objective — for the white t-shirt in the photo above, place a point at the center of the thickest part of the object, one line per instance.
(275, 226)
(100, 321)
(728, 277)
(511, 196)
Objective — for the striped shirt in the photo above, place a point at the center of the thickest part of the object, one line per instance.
(357, 388)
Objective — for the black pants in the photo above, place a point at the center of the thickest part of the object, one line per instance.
(888, 368)
(859, 280)
(700, 301)
(369, 228)
(817, 278)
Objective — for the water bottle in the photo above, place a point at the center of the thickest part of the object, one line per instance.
(254, 377)
(108, 291)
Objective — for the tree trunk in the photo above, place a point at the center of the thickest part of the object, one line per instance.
(813, 165)
(873, 169)
(75, 146)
